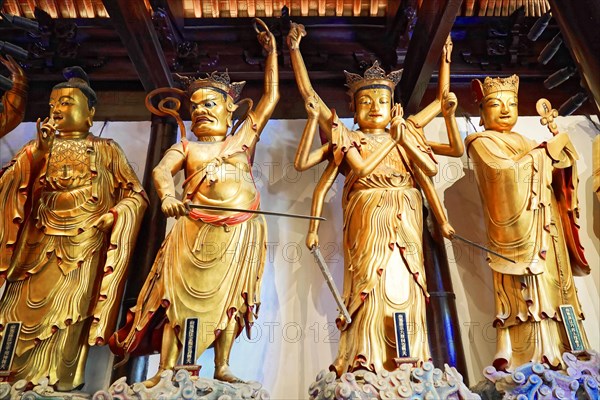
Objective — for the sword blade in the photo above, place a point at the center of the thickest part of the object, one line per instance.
(329, 279)
(483, 248)
(277, 214)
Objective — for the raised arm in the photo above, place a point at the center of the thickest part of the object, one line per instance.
(266, 105)
(302, 80)
(304, 158)
(445, 103)
(14, 100)
(455, 146)
(162, 174)
(323, 186)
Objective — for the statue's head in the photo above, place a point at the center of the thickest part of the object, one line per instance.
(498, 102)
(372, 97)
(212, 103)
(72, 103)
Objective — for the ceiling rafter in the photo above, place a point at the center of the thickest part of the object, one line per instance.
(133, 23)
(434, 22)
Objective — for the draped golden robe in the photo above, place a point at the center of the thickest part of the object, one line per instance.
(65, 278)
(209, 266)
(525, 222)
(383, 257)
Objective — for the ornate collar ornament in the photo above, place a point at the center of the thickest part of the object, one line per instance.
(218, 81)
(491, 86)
(374, 77)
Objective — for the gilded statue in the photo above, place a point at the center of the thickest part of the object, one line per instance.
(529, 196)
(72, 209)
(596, 163)
(211, 263)
(385, 172)
(15, 99)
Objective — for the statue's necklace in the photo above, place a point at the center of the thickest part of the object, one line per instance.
(207, 138)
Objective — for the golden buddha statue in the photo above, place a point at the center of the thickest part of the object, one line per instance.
(525, 210)
(15, 99)
(72, 209)
(385, 171)
(211, 263)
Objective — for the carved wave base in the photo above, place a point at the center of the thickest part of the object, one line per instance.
(406, 382)
(182, 386)
(580, 380)
(20, 391)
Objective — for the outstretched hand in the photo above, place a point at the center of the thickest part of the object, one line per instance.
(105, 222)
(264, 35)
(397, 125)
(45, 133)
(267, 41)
(447, 231)
(449, 104)
(173, 207)
(312, 240)
(447, 50)
(295, 35)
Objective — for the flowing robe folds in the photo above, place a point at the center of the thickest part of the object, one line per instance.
(525, 196)
(383, 257)
(210, 265)
(64, 277)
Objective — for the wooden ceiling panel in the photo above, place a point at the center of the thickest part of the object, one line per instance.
(270, 8)
(56, 8)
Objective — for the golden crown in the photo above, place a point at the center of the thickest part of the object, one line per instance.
(494, 85)
(218, 81)
(373, 77)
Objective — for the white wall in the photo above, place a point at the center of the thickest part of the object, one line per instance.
(295, 337)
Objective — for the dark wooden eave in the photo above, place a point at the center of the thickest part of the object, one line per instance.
(143, 51)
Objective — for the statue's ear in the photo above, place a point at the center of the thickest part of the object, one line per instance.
(92, 112)
(231, 106)
(477, 89)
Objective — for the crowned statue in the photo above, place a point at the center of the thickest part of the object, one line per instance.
(387, 172)
(529, 196)
(72, 207)
(13, 100)
(211, 263)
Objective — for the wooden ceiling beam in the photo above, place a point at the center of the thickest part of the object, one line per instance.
(434, 22)
(134, 25)
(578, 24)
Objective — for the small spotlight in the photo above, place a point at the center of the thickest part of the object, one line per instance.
(550, 50)
(5, 83)
(15, 51)
(20, 22)
(539, 27)
(571, 105)
(559, 77)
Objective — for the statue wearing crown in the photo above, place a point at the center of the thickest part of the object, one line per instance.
(72, 207)
(529, 196)
(211, 263)
(386, 171)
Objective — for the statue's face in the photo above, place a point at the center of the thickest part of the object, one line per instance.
(211, 113)
(372, 109)
(499, 111)
(70, 111)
